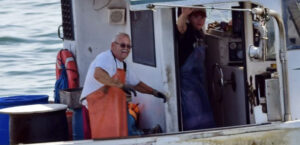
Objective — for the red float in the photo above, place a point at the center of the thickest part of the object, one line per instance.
(66, 57)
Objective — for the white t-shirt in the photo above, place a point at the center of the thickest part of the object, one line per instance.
(107, 62)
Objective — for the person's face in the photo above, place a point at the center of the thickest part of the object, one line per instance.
(121, 48)
(197, 20)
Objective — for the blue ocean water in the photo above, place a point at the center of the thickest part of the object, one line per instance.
(28, 46)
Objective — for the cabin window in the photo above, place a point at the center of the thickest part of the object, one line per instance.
(142, 33)
(218, 15)
(292, 23)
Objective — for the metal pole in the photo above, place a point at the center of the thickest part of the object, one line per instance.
(153, 6)
(283, 59)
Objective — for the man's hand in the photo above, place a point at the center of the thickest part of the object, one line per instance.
(159, 95)
(128, 90)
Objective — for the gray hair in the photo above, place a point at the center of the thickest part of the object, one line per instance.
(120, 35)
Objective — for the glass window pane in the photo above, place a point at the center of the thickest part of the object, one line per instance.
(293, 23)
(142, 33)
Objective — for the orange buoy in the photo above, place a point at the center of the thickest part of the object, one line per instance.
(65, 57)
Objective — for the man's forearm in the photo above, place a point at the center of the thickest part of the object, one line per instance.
(103, 77)
(143, 88)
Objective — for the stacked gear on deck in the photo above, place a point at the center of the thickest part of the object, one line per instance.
(133, 110)
(132, 119)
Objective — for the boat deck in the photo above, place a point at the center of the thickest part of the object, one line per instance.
(287, 133)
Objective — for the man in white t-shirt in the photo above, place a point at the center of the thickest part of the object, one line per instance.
(107, 81)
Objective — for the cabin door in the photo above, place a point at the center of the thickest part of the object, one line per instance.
(225, 80)
(153, 61)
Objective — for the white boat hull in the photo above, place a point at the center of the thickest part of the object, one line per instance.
(287, 133)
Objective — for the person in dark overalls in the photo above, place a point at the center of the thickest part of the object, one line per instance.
(196, 108)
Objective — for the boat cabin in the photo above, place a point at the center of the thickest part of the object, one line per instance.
(251, 77)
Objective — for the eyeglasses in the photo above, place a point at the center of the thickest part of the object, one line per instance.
(123, 45)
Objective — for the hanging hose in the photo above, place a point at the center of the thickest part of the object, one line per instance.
(98, 9)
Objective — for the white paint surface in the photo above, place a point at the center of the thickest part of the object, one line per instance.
(277, 133)
(37, 108)
(294, 82)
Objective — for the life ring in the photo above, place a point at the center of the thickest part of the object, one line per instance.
(65, 57)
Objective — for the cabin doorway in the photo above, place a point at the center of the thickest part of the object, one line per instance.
(225, 75)
(242, 86)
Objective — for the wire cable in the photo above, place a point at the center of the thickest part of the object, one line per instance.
(98, 9)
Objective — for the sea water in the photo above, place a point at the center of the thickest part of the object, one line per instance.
(28, 46)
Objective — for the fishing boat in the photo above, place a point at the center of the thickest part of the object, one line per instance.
(253, 78)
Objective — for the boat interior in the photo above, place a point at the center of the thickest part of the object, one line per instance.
(237, 85)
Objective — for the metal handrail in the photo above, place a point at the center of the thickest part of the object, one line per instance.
(283, 59)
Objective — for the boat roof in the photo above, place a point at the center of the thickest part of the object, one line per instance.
(142, 4)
